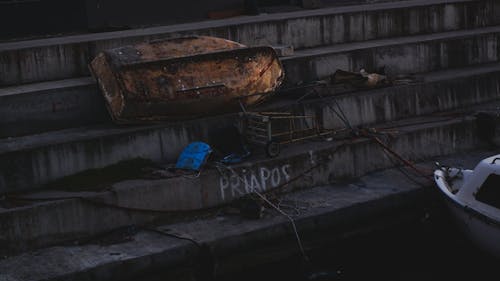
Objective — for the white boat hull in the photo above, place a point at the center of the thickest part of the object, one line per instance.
(483, 232)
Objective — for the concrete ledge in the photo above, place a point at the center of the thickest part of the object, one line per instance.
(301, 166)
(96, 147)
(332, 213)
(404, 55)
(120, 261)
(67, 57)
(437, 92)
(70, 103)
(31, 161)
(35, 108)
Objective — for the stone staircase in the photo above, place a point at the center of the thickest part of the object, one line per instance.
(53, 122)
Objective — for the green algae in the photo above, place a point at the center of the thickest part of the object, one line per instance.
(101, 178)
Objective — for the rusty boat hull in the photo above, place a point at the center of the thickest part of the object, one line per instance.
(184, 78)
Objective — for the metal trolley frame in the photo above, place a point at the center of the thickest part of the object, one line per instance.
(273, 129)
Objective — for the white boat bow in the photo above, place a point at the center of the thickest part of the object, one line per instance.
(473, 197)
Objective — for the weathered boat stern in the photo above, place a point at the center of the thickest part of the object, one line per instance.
(184, 78)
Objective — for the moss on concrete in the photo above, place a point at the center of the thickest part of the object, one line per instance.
(99, 179)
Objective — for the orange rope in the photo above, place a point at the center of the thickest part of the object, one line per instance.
(422, 172)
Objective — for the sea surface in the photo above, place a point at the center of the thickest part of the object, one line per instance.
(432, 248)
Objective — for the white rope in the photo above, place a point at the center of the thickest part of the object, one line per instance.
(299, 242)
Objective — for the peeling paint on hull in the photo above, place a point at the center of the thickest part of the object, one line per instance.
(184, 78)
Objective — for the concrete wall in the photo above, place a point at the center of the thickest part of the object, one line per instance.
(400, 102)
(132, 13)
(416, 54)
(29, 162)
(49, 17)
(75, 102)
(67, 57)
(67, 152)
(50, 106)
(57, 221)
(41, 17)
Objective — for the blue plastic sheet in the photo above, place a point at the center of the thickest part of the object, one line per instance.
(193, 156)
(234, 158)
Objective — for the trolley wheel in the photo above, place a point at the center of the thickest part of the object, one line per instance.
(272, 149)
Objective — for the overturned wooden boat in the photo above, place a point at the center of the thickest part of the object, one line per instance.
(473, 197)
(184, 78)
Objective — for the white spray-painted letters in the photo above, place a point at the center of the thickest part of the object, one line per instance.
(259, 179)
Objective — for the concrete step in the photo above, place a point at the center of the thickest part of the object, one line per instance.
(29, 162)
(56, 216)
(40, 107)
(328, 215)
(402, 55)
(434, 92)
(146, 251)
(35, 108)
(67, 57)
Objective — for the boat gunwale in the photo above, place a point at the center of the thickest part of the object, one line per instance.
(196, 57)
(452, 198)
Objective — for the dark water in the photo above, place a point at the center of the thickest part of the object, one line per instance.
(429, 249)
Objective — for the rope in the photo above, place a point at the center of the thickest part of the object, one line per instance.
(427, 174)
(144, 210)
(299, 242)
(277, 188)
(398, 156)
(340, 114)
(280, 186)
(405, 173)
(294, 206)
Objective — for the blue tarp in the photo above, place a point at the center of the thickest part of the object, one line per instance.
(234, 158)
(193, 156)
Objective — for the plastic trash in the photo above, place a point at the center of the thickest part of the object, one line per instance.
(194, 156)
(234, 158)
